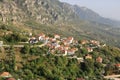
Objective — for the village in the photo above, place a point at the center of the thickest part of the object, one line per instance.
(66, 46)
(62, 46)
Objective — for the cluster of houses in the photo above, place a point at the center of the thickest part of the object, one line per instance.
(56, 44)
(65, 46)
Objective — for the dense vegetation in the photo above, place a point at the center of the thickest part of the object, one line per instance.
(33, 63)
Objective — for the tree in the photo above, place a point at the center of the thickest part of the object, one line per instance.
(25, 49)
(84, 51)
(12, 38)
(117, 58)
(88, 67)
(109, 69)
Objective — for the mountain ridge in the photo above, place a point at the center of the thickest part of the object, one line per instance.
(88, 14)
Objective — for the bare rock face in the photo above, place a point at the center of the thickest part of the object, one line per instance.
(42, 11)
(10, 12)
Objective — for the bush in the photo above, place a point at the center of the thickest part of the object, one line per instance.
(25, 49)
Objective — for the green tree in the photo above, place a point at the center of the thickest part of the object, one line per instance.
(12, 38)
(25, 49)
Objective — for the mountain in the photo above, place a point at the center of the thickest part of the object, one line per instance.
(87, 14)
(42, 11)
(53, 16)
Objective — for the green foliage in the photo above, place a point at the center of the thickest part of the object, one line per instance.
(38, 51)
(117, 58)
(84, 51)
(12, 38)
(4, 27)
(109, 69)
(36, 64)
(25, 49)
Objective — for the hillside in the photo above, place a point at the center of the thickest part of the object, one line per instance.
(42, 16)
(55, 57)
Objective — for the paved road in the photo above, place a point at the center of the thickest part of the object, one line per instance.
(115, 77)
(20, 46)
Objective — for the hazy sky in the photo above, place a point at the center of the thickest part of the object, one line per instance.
(106, 8)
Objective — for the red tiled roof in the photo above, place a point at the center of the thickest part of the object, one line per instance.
(41, 34)
(5, 74)
(117, 65)
(99, 59)
(11, 79)
(70, 38)
(88, 56)
(80, 79)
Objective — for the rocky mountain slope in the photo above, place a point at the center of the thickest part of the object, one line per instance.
(45, 12)
(42, 11)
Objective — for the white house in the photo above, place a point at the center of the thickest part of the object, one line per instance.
(41, 36)
(1, 43)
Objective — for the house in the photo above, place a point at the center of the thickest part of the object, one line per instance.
(56, 36)
(65, 42)
(99, 59)
(46, 40)
(89, 49)
(52, 39)
(81, 59)
(52, 51)
(95, 42)
(1, 43)
(71, 51)
(57, 46)
(30, 34)
(103, 45)
(70, 39)
(5, 74)
(84, 42)
(66, 47)
(117, 65)
(64, 52)
(88, 56)
(61, 48)
(75, 42)
(11, 79)
(76, 49)
(33, 40)
(41, 36)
